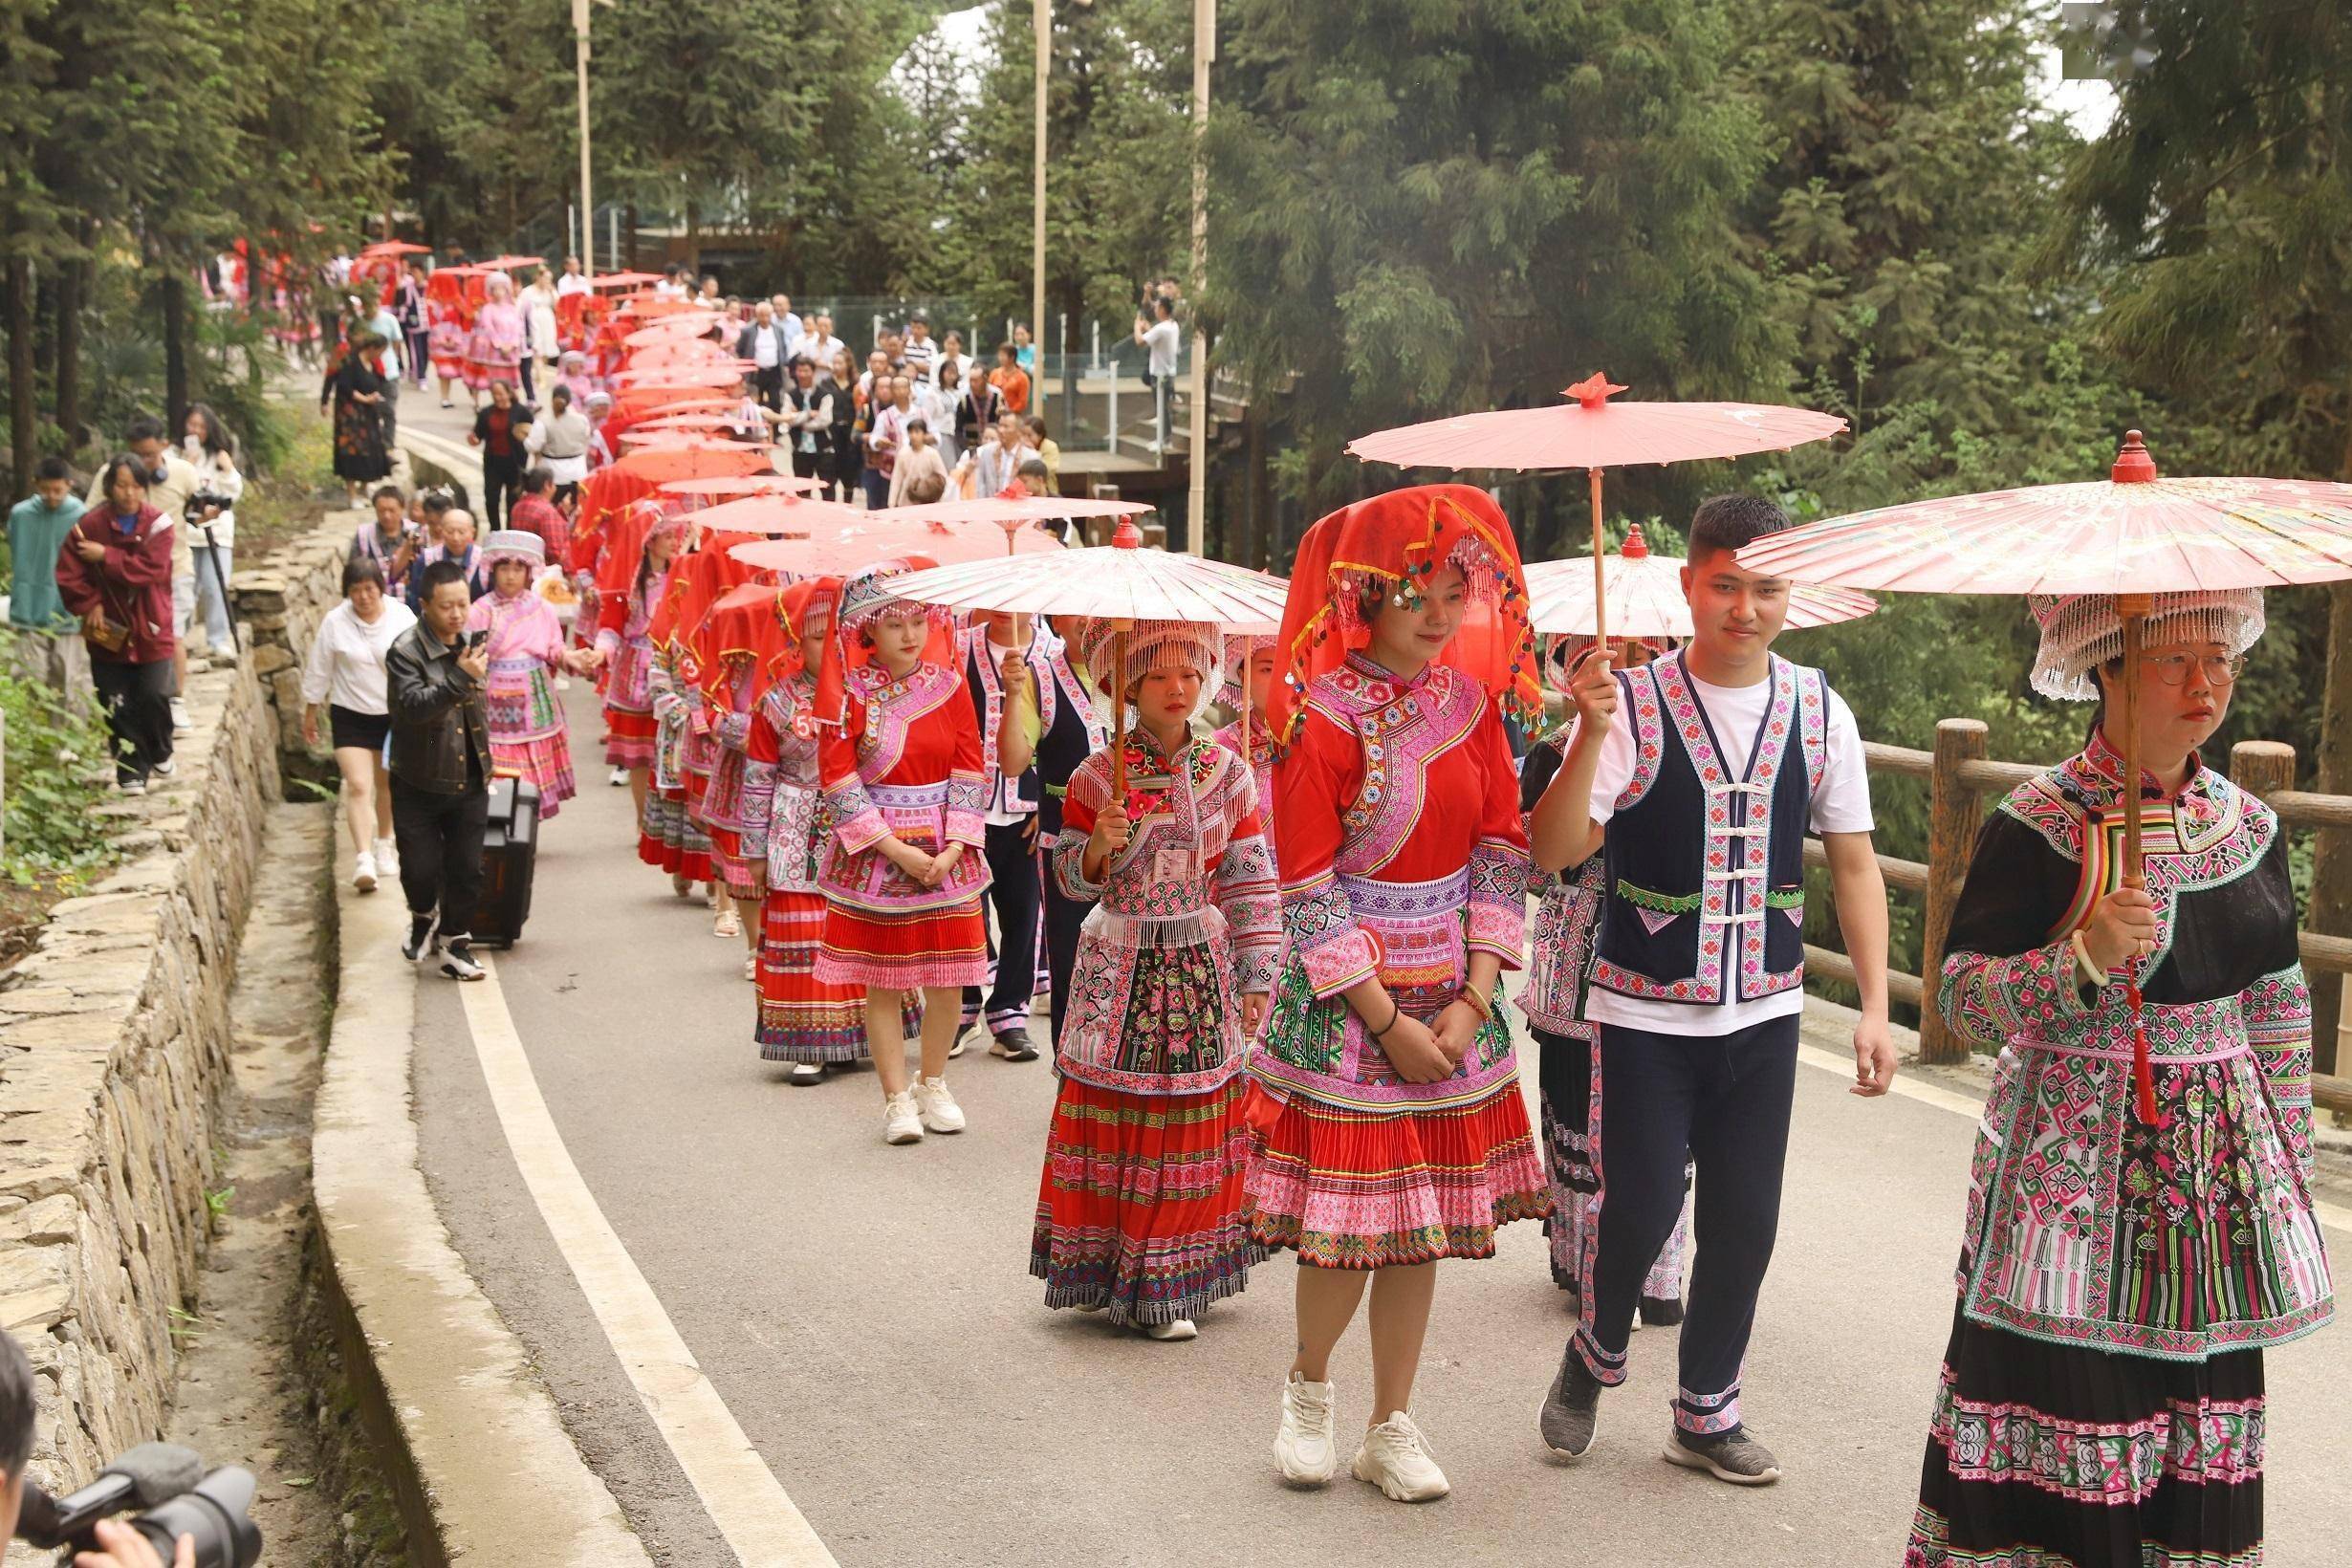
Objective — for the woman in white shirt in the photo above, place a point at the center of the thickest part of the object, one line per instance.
(938, 406)
(212, 545)
(346, 672)
(538, 302)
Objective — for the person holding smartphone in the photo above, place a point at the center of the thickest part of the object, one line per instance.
(435, 674)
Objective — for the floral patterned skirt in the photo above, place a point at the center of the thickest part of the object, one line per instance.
(546, 763)
(628, 738)
(1569, 1075)
(2065, 1456)
(802, 1019)
(746, 881)
(669, 840)
(1140, 1210)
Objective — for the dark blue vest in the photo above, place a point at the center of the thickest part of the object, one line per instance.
(1706, 848)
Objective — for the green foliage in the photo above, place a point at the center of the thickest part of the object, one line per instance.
(56, 775)
(1411, 217)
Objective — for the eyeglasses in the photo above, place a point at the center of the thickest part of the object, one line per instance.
(2219, 669)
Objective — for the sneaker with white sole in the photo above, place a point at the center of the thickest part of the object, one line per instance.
(180, 720)
(364, 873)
(1173, 1331)
(806, 1075)
(420, 936)
(388, 857)
(1734, 1456)
(1302, 1447)
(618, 778)
(457, 962)
(167, 767)
(1570, 1412)
(902, 1122)
(1395, 1457)
(940, 1111)
(132, 786)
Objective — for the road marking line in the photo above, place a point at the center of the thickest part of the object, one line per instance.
(2331, 1216)
(741, 1495)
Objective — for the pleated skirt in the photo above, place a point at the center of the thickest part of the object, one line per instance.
(802, 1019)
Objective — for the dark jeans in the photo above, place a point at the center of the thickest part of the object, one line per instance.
(440, 839)
(1722, 1102)
(1013, 888)
(419, 354)
(1063, 916)
(523, 370)
(877, 486)
(768, 383)
(136, 700)
(502, 484)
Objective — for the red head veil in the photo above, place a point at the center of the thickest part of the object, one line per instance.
(1392, 543)
(743, 629)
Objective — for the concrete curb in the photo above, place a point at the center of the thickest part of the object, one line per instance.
(481, 1461)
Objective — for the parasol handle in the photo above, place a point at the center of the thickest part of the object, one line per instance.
(1118, 715)
(2132, 609)
(1600, 576)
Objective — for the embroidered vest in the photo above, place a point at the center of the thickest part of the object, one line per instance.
(1705, 853)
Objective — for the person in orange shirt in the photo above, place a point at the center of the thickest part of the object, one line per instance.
(1011, 381)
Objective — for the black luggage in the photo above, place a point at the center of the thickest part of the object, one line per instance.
(509, 845)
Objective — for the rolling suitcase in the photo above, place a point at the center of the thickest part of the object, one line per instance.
(509, 845)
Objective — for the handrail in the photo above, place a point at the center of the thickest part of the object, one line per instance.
(1960, 775)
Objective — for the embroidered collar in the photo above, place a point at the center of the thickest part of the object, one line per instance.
(1374, 671)
(2106, 764)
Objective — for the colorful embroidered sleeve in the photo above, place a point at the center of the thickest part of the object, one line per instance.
(855, 821)
(1081, 806)
(1500, 866)
(968, 780)
(760, 755)
(1244, 886)
(2278, 1025)
(1324, 769)
(659, 687)
(733, 729)
(2003, 974)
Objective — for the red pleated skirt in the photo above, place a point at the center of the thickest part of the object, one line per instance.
(628, 738)
(746, 881)
(1141, 1207)
(905, 952)
(801, 1018)
(1348, 1189)
(669, 840)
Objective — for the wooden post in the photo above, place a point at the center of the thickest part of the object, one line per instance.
(1953, 811)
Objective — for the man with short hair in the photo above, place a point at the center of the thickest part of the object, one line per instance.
(786, 319)
(808, 421)
(817, 345)
(574, 280)
(559, 439)
(1699, 787)
(48, 644)
(921, 353)
(536, 512)
(885, 439)
(766, 343)
(1161, 340)
(439, 763)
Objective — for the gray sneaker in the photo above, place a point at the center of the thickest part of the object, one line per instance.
(1571, 1408)
(1734, 1456)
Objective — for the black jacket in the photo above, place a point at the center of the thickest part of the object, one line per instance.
(440, 722)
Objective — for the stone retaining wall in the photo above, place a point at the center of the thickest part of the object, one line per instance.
(279, 605)
(113, 1037)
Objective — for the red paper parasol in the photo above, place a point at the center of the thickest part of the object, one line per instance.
(874, 538)
(624, 280)
(668, 329)
(1012, 512)
(507, 264)
(780, 515)
(2131, 535)
(1645, 597)
(1594, 433)
(395, 248)
(743, 484)
(685, 378)
(655, 464)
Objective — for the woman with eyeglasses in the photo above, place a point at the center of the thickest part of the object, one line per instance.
(2128, 1251)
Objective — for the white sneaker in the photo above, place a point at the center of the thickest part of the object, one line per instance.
(388, 857)
(364, 874)
(181, 724)
(902, 1122)
(167, 768)
(563, 683)
(1172, 1331)
(620, 778)
(1395, 1457)
(940, 1111)
(1302, 1447)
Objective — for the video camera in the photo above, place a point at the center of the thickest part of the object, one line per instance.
(171, 1483)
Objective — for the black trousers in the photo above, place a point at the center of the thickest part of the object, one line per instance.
(502, 486)
(523, 370)
(1721, 1102)
(769, 382)
(136, 700)
(440, 839)
(1013, 891)
(420, 356)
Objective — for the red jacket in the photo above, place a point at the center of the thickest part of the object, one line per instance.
(132, 585)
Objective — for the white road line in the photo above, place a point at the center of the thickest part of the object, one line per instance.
(737, 1490)
(2331, 1216)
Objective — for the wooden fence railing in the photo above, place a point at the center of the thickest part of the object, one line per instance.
(1962, 781)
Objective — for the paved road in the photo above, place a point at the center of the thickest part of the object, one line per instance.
(867, 1316)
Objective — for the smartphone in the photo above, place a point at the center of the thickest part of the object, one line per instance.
(475, 641)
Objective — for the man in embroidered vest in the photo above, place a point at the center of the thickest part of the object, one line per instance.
(1698, 775)
(1007, 660)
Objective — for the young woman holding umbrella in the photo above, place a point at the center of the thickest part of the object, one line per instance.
(1390, 1129)
(2101, 1398)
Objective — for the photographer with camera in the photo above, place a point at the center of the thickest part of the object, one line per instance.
(440, 766)
(201, 1518)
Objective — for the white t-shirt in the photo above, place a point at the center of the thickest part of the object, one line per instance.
(1840, 805)
(570, 283)
(1160, 340)
(345, 667)
(818, 350)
